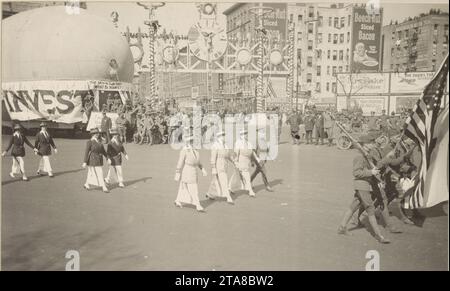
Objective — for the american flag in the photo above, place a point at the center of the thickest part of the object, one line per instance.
(420, 127)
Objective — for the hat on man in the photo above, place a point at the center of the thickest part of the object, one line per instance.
(43, 124)
(94, 130)
(17, 126)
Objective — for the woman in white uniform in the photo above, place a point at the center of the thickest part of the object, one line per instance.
(93, 160)
(243, 155)
(220, 156)
(186, 174)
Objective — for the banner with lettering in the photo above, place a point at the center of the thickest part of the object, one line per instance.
(356, 84)
(410, 82)
(59, 101)
(366, 39)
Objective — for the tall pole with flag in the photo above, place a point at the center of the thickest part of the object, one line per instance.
(428, 127)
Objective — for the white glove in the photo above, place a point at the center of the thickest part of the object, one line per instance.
(84, 165)
(109, 161)
(126, 157)
(55, 150)
(177, 177)
(3, 154)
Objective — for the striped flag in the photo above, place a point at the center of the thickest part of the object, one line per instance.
(424, 126)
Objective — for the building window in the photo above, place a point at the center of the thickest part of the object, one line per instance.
(341, 38)
(340, 69)
(329, 37)
(341, 55)
(318, 87)
(328, 54)
(348, 37)
(309, 62)
(392, 52)
(318, 69)
(328, 87)
(342, 22)
(310, 45)
(291, 17)
(299, 36)
(319, 54)
(330, 21)
(336, 22)
(349, 20)
(346, 68)
(333, 87)
(308, 78)
(435, 32)
(319, 38)
(347, 55)
(320, 21)
(310, 27)
(311, 11)
(335, 55)
(335, 38)
(328, 71)
(300, 18)
(334, 71)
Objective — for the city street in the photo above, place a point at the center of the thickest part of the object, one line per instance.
(139, 228)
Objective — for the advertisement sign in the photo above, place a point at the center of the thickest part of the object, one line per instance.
(95, 121)
(410, 82)
(59, 101)
(368, 105)
(404, 103)
(275, 22)
(369, 83)
(366, 39)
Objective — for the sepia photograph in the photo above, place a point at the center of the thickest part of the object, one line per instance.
(225, 136)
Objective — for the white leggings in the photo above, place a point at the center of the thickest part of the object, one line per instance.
(18, 166)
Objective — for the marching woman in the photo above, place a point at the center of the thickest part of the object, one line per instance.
(93, 159)
(16, 144)
(43, 147)
(114, 151)
(243, 156)
(220, 156)
(186, 174)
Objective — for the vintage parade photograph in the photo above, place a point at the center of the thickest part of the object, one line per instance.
(225, 136)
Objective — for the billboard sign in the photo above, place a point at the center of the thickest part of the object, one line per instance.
(366, 40)
(368, 105)
(410, 82)
(356, 84)
(275, 22)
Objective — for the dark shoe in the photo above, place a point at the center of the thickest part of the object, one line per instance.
(343, 230)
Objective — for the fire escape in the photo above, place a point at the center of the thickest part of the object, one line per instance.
(412, 51)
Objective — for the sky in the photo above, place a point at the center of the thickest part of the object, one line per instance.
(179, 17)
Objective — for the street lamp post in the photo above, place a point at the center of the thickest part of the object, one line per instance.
(152, 24)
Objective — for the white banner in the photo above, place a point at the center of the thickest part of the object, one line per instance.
(59, 101)
(369, 83)
(411, 82)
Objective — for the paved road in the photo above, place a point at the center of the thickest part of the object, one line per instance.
(138, 228)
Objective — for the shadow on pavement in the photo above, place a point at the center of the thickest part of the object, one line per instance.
(56, 174)
(128, 183)
(272, 184)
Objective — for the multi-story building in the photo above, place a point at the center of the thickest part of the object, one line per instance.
(417, 44)
(323, 37)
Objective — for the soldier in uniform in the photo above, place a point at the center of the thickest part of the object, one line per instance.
(309, 126)
(16, 144)
(294, 122)
(262, 152)
(328, 125)
(106, 125)
(366, 190)
(43, 147)
(149, 124)
(114, 151)
(121, 123)
(93, 160)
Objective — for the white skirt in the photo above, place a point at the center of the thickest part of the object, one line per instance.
(95, 176)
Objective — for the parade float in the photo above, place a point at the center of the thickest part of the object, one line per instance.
(55, 64)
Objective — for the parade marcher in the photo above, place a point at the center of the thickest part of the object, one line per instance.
(366, 190)
(309, 126)
(139, 136)
(149, 125)
(186, 174)
(106, 126)
(244, 152)
(121, 123)
(220, 156)
(16, 144)
(328, 125)
(114, 151)
(294, 122)
(319, 128)
(262, 152)
(43, 147)
(93, 160)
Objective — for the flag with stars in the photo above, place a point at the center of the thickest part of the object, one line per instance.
(424, 126)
